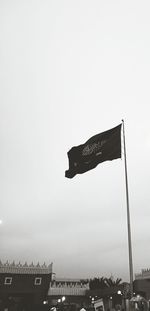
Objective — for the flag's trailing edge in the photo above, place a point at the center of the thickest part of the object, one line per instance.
(99, 148)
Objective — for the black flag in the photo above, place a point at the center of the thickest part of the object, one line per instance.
(99, 148)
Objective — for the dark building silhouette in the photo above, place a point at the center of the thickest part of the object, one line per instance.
(24, 287)
(68, 293)
(142, 283)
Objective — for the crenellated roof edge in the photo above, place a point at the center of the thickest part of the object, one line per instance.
(25, 268)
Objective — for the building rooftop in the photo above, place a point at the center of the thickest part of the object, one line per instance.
(25, 268)
(145, 273)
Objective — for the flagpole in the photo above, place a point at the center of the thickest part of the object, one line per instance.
(128, 216)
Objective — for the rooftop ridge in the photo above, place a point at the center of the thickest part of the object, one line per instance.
(65, 279)
(146, 270)
(19, 268)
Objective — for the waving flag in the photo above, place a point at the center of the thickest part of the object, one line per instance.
(99, 148)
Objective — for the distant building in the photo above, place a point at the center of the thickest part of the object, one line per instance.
(32, 287)
(145, 274)
(142, 283)
(24, 287)
(68, 292)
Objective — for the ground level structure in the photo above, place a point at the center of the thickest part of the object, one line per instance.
(32, 287)
(67, 293)
(142, 283)
(24, 287)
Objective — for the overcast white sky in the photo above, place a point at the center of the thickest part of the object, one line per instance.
(70, 69)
